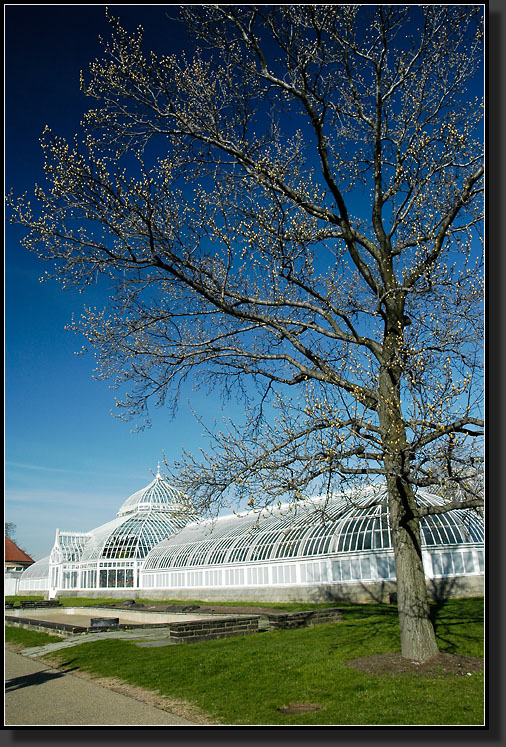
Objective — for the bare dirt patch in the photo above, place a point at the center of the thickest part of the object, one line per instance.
(299, 708)
(15, 647)
(442, 664)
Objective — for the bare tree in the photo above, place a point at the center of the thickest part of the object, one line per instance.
(293, 213)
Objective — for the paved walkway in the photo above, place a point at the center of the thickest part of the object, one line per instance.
(145, 636)
(38, 695)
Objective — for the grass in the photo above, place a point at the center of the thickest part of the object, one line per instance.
(93, 602)
(70, 602)
(245, 680)
(28, 638)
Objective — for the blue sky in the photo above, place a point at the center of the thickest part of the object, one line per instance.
(69, 463)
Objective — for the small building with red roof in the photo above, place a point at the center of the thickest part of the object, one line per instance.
(16, 562)
(15, 558)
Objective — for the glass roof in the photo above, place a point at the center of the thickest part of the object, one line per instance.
(68, 546)
(39, 569)
(158, 495)
(314, 528)
(145, 519)
(131, 536)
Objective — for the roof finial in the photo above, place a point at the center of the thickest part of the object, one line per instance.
(158, 470)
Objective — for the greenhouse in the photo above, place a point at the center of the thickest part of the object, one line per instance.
(36, 577)
(321, 548)
(110, 556)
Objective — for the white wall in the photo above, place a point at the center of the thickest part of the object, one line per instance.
(11, 583)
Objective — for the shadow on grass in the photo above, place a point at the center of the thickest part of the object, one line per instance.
(451, 617)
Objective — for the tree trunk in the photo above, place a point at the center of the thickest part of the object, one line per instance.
(418, 639)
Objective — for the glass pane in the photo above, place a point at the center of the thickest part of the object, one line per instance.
(365, 564)
(345, 570)
(355, 568)
(383, 567)
(437, 566)
(480, 560)
(458, 563)
(336, 571)
(446, 560)
(468, 562)
(367, 545)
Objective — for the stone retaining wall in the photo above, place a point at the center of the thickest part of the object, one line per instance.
(303, 619)
(373, 592)
(201, 630)
(45, 626)
(68, 629)
(187, 631)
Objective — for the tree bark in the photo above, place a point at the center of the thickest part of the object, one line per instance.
(418, 640)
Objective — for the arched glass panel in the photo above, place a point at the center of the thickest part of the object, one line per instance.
(318, 528)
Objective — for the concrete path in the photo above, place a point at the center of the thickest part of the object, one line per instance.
(40, 695)
(145, 636)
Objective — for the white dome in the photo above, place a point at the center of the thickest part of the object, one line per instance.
(157, 495)
(145, 519)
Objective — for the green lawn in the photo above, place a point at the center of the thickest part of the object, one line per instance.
(70, 602)
(28, 638)
(92, 602)
(244, 680)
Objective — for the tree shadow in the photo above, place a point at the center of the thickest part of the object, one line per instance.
(378, 592)
(37, 678)
(439, 593)
(378, 602)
